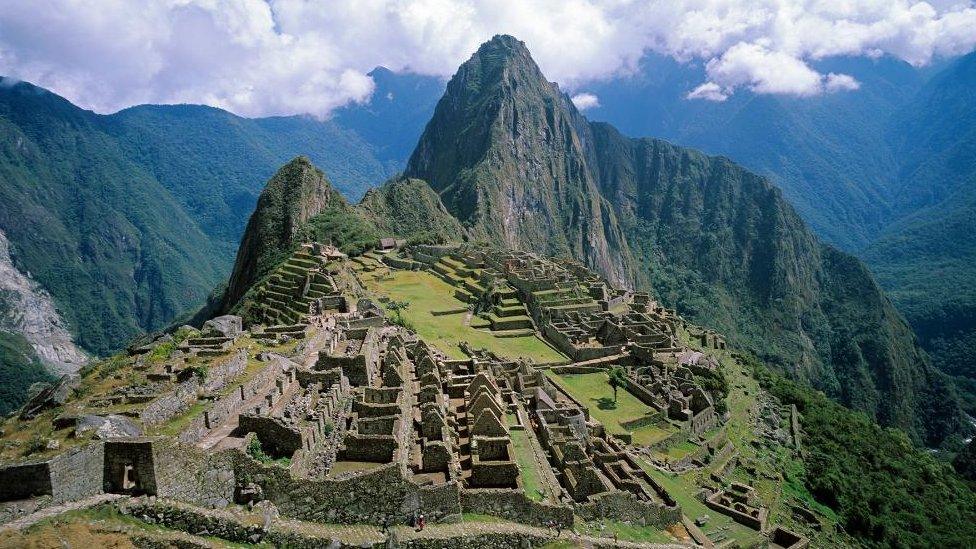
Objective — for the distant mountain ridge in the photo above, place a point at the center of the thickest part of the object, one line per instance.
(129, 220)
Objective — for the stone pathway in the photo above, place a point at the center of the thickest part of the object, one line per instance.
(54, 510)
(467, 529)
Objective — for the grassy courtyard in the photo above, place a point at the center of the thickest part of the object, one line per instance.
(597, 395)
(427, 294)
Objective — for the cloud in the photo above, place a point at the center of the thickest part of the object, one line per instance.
(257, 57)
(585, 101)
(709, 91)
(838, 82)
(765, 71)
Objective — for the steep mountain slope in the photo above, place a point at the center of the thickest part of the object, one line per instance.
(927, 259)
(20, 367)
(214, 162)
(129, 219)
(408, 207)
(297, 193)
(504, 152)
(829, 153)
(300, 205)
(511, 156)
(26, 309)
(94, 228)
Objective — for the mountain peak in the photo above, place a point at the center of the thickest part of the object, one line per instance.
(295, 194)
(503, 44)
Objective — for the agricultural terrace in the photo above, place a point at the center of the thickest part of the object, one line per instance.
(428, 295)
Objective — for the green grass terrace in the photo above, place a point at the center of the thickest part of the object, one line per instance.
(428, 294)
(594, 392)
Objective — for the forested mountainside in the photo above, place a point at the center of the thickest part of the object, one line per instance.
(829, 154)
(512, 158)
(92, 226)
(130, 219)
(299, 204)
(926, 259)
(885, 171)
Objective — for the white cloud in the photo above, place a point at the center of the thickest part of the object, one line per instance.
(838, 82)
(709, 91)
(765, 71)
(585, 101)
(258, 57)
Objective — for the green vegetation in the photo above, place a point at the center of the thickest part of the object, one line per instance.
(617, 378)
(528, 466)
(397, 308)
(19, 369)
(344, 228)
(594, 391)
(409, 207)
(624, 531)
(884, 490)
(256, 451)
(427, 293)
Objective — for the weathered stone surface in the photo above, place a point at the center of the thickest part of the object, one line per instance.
(226, 325)
(50, 396)
(107, 427)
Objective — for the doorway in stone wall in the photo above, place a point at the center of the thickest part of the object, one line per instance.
(129, 467)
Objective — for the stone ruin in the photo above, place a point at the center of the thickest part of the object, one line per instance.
(363, 420)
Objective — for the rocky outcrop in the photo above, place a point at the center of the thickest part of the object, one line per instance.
(27, 309)
(49, 396)
(504, 150)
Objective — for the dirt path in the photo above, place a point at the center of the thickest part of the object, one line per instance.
(54, 510)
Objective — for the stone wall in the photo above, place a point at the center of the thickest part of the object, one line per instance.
(185, 394)
(249, 530)
(642, 393)
(278, 438)
(78, 473)
(25, 480)
(220, 374)
(371, 448)
(185, 473)
(624, 506)
(137, 455)
(230, 404)
(514, 505)
(172, 403)
(362, 498)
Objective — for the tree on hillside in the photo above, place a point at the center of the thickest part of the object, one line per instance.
(397, 308)
(617, 377)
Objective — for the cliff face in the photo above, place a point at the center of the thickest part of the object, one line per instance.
(296, 194)
(505, 152)
(510, 155)
(722, 245)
